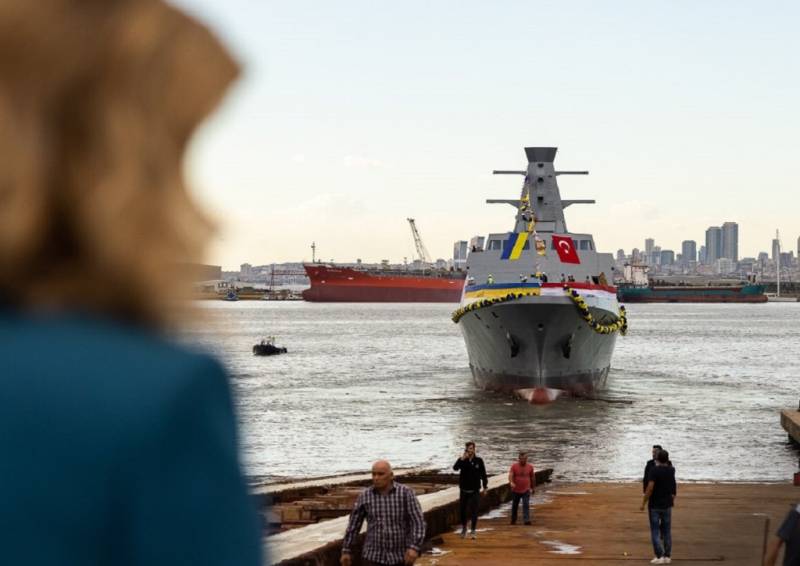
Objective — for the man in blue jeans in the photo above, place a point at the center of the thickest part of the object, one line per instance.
(522, 480)
(660, 498)
(472, 473)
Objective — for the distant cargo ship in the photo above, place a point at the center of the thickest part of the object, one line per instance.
(331, 283)
(749, 293)
(637, 289)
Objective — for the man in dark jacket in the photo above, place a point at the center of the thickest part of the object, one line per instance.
(789, 535)
(660, 498)
(472, 474)
(649, 466)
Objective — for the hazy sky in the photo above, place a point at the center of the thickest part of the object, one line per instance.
(352, 116)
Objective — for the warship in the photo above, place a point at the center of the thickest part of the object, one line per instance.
(539, 313)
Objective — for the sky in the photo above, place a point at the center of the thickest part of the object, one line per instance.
(351, 116)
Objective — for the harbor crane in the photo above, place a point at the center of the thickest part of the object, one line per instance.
(421, 251)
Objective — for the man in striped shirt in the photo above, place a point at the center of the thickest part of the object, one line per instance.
(395, 525)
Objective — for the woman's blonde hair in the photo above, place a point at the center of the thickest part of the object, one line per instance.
(98, 99)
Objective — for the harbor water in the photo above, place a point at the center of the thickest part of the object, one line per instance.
(369, 381)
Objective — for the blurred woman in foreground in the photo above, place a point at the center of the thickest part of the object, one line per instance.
(118, 447)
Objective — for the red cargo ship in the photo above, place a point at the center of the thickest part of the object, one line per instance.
(331, 283)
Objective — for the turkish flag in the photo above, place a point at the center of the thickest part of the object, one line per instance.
(566, 249)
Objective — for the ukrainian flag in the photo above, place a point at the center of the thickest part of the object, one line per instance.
(500, 291)
(513, 246)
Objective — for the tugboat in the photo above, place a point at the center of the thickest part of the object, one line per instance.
(267, 347)
(539, 313)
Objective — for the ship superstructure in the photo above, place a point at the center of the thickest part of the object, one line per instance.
(539, 313)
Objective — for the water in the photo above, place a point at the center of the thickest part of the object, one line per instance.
(369, 381)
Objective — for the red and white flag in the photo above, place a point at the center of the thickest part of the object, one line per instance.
(566, 249)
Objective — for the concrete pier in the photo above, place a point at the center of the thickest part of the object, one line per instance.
(790, 421)
(321, 543)
(600, 523)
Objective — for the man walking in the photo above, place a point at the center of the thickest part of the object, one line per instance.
(660, 497)
(788, 534)
(649, 465)
(522, 479)
(472, 473)
(395, 525)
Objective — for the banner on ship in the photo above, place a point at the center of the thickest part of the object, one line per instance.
(566, 249)
(512, 248)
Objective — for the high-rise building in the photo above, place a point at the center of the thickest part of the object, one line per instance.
(636, 256)
(667, 257)
(476, 243)
(701, 255)
(724, 266)
(620, 255)
(688, 251)
(798, 248)
(730, 241)
(460, 254)
(776, 247)
(245, 272)
(713, 244)
(649, 244)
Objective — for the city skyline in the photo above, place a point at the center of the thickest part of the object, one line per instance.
(349, 118)
(731, 253)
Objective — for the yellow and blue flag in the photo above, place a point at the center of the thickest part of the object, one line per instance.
(512, 247)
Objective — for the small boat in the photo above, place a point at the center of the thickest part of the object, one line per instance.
(268, 348)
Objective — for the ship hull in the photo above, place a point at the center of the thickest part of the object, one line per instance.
(342, 284)
(746, 294)
(557, 351)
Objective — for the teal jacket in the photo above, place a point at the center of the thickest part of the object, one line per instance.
(117, 448)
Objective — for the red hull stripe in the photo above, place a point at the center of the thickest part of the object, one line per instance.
(325, 277)
(374, 294)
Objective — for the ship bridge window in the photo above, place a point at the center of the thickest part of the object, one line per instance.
(586, 244)
(495, 245)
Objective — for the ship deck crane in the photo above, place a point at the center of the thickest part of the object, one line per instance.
(422, 252)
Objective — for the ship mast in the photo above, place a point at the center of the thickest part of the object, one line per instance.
(541, 190)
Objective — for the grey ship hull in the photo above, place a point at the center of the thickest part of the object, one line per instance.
(555, 348)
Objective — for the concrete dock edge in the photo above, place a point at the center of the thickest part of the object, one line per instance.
(321, 543)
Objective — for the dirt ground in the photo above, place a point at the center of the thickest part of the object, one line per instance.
(600, 523)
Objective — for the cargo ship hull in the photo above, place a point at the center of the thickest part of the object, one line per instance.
(345, 284)
(744, 294)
